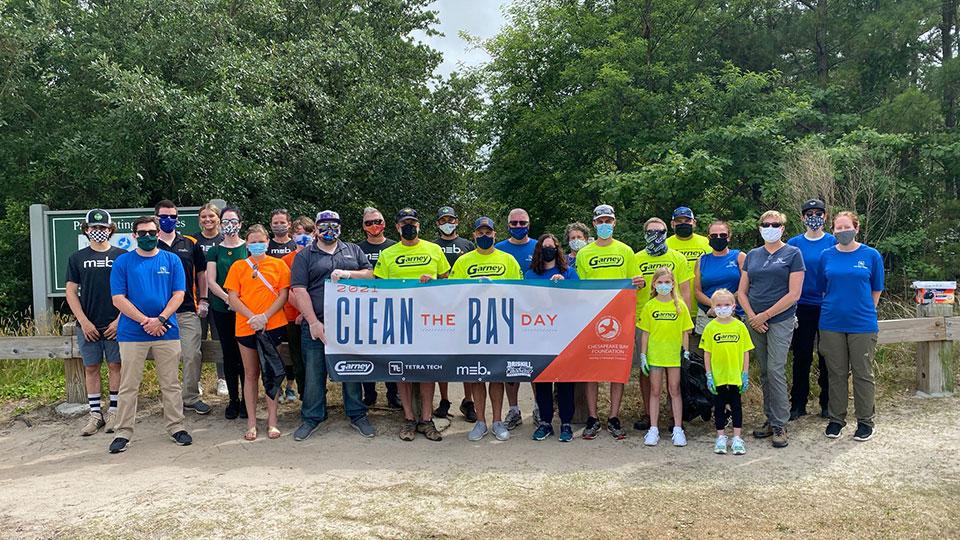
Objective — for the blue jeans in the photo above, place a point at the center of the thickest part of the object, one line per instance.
(314, 409)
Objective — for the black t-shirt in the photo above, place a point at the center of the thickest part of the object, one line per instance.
(278, 250)
(373, 250)
(91, 271)
(207, 243)
(453, 249)
(194, 261)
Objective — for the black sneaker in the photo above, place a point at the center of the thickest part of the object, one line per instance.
(591, 429)
(182, 438)
(393, 401)
(863, 433)
(797, 413)
(232, 410)
(833, 430)
(642, 424)
(615, 429)
(443, 410)
(198, 407)
(119, 445)
(370, 399)
(468, 411)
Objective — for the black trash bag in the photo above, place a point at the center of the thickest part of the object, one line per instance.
(271, 365)
(697, 399)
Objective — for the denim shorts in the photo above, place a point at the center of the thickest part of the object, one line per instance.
(93, 352)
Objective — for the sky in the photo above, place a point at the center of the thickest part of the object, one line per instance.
(479, 18)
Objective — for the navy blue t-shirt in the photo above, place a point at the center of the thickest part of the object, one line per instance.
(571, 273)
(812, 294)
(849, 280)
(147, 282)
(523, 253)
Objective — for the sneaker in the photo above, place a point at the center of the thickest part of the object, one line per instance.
(764, 431)
(110, 424)
(797, 413)
(566, 433)
(198, 407)
(652, 437)
(615, 429)
(500, 431)
(182, 438)
(443, 409)
(591, 430)
(720, 447)
(370, 399)
(536, 417)
(304, 432)
(863, 433)
(679, 438)
(119, 445)
(222, 387)
(232, 410)
(478, 432)
(94, 423)
(408, 431)
(780, 437)
(833, 430)
(393, 401)
(512, 421)
(738, 447)
(642, 424)
(363, 425)
(543, 431)
(468, 411)
(290, 394)
(429, 430)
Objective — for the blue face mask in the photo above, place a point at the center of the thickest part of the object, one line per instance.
(330, 235)
(605, 230)
(257, 248)
(663, 288)
(302, 239)
(519, 233)
(484, 242)
(168, 224)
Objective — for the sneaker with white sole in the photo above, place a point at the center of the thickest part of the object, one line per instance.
(864, 432)
(94, 423)
(222, 387)
(678, 437)
(500, 431)
(833, 431)
(738, 446)
(111, 421)
(478, 432)
(720, 447)
(652, 437)
(512, 421)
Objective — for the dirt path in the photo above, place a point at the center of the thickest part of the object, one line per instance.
(903, 483)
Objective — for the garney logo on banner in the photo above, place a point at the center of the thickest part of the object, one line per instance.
(464, 330)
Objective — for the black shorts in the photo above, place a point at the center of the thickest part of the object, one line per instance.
(275, 335)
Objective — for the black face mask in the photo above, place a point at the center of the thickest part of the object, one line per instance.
(408, 231)
(549, 254)
(719, 244)
(684, 230)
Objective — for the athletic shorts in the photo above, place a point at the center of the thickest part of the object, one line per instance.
(275, 335)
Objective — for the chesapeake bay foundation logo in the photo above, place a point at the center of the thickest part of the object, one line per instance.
(407, 261)
(726, 338)
(486, 270)
(353, 367)
(608, 328)
(605, 261)
(519, 369)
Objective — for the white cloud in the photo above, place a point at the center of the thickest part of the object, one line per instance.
(478, 18)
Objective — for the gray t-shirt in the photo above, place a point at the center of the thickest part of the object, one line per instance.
(769, 275)
(312, 267)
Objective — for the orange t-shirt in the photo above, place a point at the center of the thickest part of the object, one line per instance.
(254, 294)
(291, 312)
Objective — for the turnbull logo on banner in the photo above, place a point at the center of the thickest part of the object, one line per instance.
(465, 330)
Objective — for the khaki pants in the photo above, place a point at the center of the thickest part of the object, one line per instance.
(845, 354)
(133, 356)
(189, 324)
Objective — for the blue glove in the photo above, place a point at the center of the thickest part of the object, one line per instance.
(644, 366)
(710, 386)
(744, 382)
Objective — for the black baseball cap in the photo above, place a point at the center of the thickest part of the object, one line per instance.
(407, 213)
(813, 204)
(98, 216)
(447, 211)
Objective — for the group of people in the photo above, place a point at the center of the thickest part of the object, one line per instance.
(695, 295)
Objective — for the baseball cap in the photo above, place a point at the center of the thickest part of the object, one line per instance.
(98, 216)
(603, 210)
(446, 211)
(483, 222)
(407, 213)
(813, 204)
(683, 211)
(327, 215)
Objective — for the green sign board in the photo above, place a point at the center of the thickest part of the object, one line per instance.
(64, 236)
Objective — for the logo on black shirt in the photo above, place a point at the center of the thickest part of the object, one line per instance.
(486, 270)
(651, 267)
(664, 315)
(726, 338)
(605, 261)
(98, 263)
(413, 260)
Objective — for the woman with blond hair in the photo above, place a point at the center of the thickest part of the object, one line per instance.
(770, 286)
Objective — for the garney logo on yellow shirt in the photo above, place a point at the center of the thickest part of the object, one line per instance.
(486, 270)
(664, 315)
(726, 338)
(413, 260)
(651, 267)
(691, 254)
(605, 261)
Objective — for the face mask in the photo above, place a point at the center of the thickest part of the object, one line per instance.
(770, 234)
(408, 231)
(257, 248)
(663, 288)
(719, 244)
(577, 244)
(549, 254)
(845, 238)
(330, 235)
(723, 311)
(147, 243)
(230, 229)
(168, 224)
(98, 236)
(684, 230)
(605, 230)
(374, 230)
(814, 223)
(447, 228)
(302, 239)
(484, 242)
(280, 230)
(519, 233)
(656, 242)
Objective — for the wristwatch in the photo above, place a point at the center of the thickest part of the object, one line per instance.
(164, 321)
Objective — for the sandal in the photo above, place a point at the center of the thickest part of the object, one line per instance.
(429, 430)
(273, 432)
(408, 431)
(251, 434)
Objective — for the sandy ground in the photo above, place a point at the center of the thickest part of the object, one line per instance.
(903, 483)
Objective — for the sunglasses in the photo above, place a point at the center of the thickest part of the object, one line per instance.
(141, 233)
(771, 225)
(370, 222)
(328, 226)
(814, 213)
(719, 235)
(231, 221)
(174, 216)
(519, 223)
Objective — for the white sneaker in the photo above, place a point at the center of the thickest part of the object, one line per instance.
(222, 387)
(652, 437)
(679, 439)
(721, 445)
(500, 431)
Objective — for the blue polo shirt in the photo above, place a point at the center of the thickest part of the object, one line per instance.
(812, 294)
(849, 281)
(148, 283)
(523, 253)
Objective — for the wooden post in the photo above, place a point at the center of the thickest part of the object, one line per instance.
(936, 360)
(579, 403)
(73, 371)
